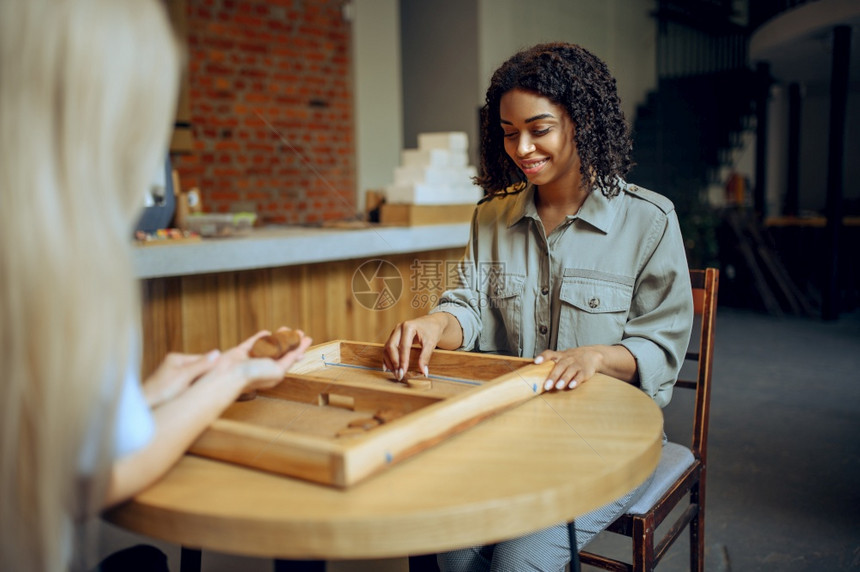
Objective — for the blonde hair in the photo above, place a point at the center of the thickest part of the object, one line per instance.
(87, 89)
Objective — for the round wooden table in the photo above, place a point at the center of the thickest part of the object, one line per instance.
(547, 461)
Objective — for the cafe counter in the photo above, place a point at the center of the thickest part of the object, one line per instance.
(333, 283)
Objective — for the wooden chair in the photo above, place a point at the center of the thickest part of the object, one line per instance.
(681, 471)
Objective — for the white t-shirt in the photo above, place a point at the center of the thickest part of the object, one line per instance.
(134, 426)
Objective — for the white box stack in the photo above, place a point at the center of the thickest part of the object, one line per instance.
(437, 173)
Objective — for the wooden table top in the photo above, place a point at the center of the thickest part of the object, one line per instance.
(546, 461)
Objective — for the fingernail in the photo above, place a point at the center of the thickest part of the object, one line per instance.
(426, 371)
(399, 374)
(572, 384)
(213, 355)
(384, 368)
(560, 384)
(539, 359)
(547, 385)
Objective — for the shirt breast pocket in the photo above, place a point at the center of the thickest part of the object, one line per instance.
(502, 314)
(593, 311)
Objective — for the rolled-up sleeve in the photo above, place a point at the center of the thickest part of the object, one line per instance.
(661, 314)
(462, 298)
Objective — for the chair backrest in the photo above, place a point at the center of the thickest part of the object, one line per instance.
(705, 285)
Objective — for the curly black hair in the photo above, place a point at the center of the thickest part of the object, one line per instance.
(574, 78)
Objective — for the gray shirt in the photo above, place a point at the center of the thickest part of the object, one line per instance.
(614, 273)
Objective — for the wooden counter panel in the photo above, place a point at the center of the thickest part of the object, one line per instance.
(201, 312)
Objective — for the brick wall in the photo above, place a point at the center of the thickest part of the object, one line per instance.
(271, 108)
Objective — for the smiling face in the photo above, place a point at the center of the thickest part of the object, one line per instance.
(539, 139)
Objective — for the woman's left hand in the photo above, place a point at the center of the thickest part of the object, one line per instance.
(572, 367)
(575, 366)
(174, 374)
(178, 371)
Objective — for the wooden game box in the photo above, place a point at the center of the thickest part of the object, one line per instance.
(302, 427)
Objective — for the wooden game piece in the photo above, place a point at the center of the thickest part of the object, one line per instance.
(276, 345)
(417, 382)
(386, 415)
(247, 396)
(288, 340)
(266, 346)
(364, 423)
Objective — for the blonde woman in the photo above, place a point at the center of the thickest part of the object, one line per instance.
(87, 89)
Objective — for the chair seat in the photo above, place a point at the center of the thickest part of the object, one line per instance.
(674, 460)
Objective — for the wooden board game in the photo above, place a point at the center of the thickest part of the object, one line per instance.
(337, 418)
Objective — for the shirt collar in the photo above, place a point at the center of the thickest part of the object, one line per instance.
(524, 207)
(597, 210)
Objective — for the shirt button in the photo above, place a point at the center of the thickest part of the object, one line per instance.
(542, 330)
(544, 290)
(594, 303)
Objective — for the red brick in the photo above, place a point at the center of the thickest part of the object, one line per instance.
(223, 84)
(253, 68)
(224, 196)
(257, 97)
(226, 173)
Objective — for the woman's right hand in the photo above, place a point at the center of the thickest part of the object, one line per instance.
(192, 392)
(427, 331)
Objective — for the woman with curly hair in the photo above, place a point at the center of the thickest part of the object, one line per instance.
(566, 262)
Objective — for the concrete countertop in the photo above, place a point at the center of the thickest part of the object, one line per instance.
(287, 246)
